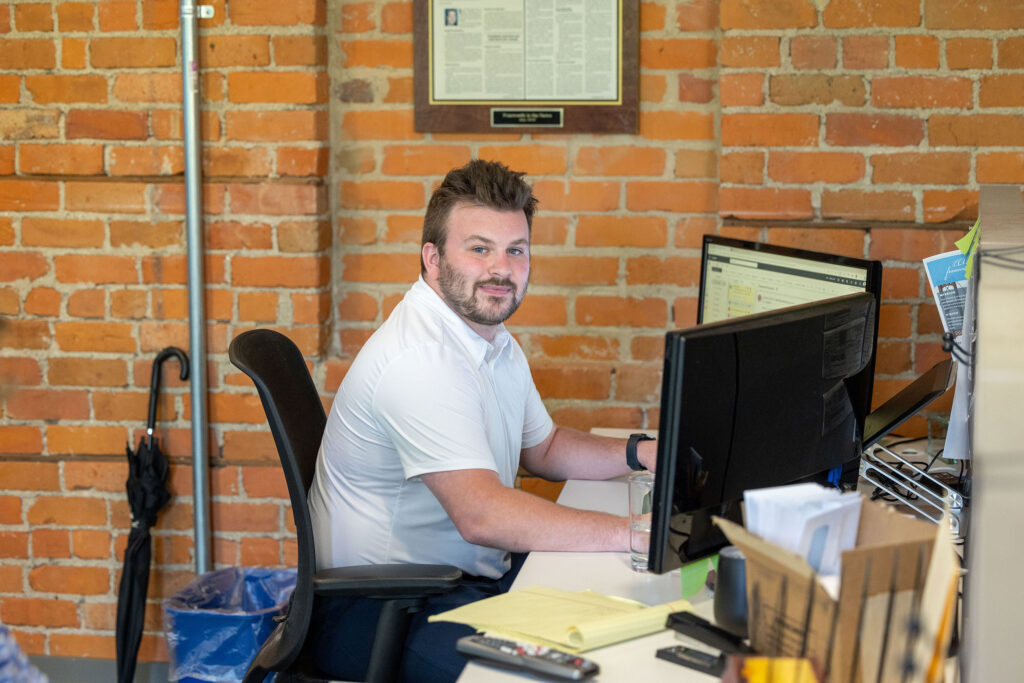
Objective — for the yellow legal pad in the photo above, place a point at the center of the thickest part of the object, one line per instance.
(573, 621)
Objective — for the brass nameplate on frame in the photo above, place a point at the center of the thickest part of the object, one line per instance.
(549, 118)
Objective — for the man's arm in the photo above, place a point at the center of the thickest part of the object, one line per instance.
(490, 514)
(571, 454)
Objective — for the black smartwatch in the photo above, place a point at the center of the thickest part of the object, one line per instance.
(631, 459)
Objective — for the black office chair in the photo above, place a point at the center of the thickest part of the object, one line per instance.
(297, 421)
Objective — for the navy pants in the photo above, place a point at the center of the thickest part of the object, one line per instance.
(341, 634)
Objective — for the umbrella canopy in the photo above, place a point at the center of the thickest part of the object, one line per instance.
(147, 494)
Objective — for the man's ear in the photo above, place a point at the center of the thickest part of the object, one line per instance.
(431, 256)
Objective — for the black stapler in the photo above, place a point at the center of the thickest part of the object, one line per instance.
(702, 630)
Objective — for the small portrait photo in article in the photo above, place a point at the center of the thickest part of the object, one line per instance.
(451, 17)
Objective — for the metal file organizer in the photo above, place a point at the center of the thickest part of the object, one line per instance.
(920, 492)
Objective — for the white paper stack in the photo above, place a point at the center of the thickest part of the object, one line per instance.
(816, 522)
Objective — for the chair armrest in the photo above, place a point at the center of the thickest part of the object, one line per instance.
(387, 580)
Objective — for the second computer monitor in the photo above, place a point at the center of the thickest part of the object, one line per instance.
(739, 277)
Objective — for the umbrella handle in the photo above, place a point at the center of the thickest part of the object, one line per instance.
(154, 382)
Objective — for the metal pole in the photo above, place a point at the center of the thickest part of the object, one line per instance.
(196, 313)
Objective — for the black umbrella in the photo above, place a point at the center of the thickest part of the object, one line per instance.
(147, 493)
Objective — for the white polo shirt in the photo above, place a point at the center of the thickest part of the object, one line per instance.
(425, 394)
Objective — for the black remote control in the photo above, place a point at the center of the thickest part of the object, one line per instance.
(535, 659)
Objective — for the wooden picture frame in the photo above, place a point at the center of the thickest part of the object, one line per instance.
(441, 105)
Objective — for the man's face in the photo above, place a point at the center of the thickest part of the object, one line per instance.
(483, 273)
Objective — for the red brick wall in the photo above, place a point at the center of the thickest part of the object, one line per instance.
(92, 283)
(863, 128)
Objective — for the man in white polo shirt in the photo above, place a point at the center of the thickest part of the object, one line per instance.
(432, 422)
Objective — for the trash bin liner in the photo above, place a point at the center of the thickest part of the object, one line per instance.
(218, 622)
(14, 665)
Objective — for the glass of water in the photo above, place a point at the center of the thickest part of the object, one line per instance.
(641, 492)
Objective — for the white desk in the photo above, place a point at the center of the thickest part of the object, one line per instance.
(607, 573)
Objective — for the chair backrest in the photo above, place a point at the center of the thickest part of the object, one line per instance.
(297, 420)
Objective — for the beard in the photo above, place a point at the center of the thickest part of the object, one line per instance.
(453, 284)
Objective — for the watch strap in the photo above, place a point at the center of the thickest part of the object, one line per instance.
(631, 459)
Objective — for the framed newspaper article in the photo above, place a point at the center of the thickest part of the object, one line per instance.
(529, 66)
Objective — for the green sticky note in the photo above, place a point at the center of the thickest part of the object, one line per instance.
(966, 243)
(695, 574)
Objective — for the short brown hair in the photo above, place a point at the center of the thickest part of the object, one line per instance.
(478, 183)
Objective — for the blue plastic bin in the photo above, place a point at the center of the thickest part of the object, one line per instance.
(218, 622)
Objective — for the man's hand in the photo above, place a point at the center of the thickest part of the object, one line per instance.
(488, 513)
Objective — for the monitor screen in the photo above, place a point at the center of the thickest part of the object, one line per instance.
(762, 400)
(740, 277)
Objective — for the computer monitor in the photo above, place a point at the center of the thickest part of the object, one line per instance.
(762, 400)
(739, 277)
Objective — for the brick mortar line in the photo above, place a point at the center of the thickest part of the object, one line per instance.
(166, 180)
(165, 69)
(818, 187)
(221, 30)
(891, 32)
(869, 110)
(156, 143)
(211, 106)
(868, 73)
(826, 223)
